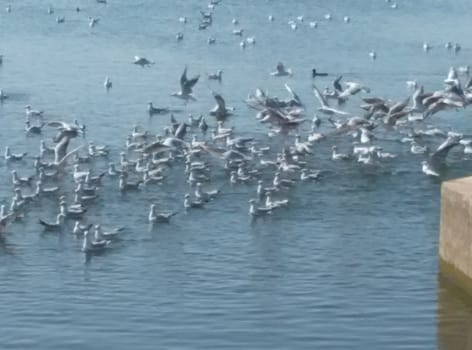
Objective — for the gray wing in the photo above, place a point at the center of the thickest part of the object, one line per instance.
(438, 158)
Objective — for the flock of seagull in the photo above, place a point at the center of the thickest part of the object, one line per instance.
(205, 147)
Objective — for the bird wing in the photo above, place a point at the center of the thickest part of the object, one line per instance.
(337, 84)
(60, 150)
(189, 84)
(220, 101)
(320, 97)
(183, 79)
(293, 94)
(439, 156)
(155, 147)
(57, 124)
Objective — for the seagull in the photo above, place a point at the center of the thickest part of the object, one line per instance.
(18, 181)
(179, 36)
(163, 217)
(90, 245)
(324, 104)
(93, 21)
(53, 226)
(12, 156)
(339, 156)
(189, 204)
(186, 86)
(100, 235)
(142, 61)
(60, 19)
(33, 129)
(107, 83)
(3, 96)
(306, 176)
(155, 110)
(281, 71)
(80, 229)
(216, 76)
(220, 111)
(205, 195)
(258, 211)
(33, 113)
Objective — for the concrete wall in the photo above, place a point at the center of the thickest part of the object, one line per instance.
(455, 243)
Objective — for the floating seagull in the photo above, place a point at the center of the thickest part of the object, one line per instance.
(33, 129)
(211, 41)
(142, 61)
(90, 245)
(155, 110)
(339, 156)
(109, 235)
(179, 36)
(306, 176)
(33, 113)
(189, 204)
(216, 76)
(9, 156)
(205, 195)
(80, 229)
(53, 226)
(50, 10)
(60, 19)
(162, 217)
(258, 211)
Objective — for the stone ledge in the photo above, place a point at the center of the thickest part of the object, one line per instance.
(455, 242)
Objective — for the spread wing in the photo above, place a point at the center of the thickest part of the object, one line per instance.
(293, 94)
(337, 84)
(439, 156)
(220, 101)
(320, 97)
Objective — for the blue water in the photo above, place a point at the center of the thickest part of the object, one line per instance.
(351, 263)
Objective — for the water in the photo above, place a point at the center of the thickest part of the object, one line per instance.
(351, 263)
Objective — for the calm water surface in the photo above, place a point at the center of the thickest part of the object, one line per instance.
(352, 263)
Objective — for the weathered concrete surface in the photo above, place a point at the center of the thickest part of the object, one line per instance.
(455, 243)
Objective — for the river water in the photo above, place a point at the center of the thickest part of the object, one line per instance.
(351, 263)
